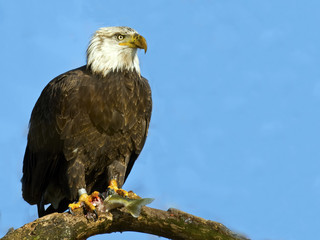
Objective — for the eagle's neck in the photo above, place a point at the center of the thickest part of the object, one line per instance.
(104, 57)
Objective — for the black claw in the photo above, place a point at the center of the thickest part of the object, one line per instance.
(110, 191)
(70, 210)
(103, 196)
(95, 213)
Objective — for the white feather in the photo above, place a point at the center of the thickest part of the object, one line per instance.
(104, 53)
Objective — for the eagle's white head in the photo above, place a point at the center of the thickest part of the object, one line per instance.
(114, 49)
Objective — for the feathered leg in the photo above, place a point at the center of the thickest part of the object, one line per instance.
(76, 182)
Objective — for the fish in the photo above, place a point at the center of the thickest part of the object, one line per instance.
(133, 206)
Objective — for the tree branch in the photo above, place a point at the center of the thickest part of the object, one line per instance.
(172, 224)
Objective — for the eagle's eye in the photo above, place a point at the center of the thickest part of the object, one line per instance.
(120, 37)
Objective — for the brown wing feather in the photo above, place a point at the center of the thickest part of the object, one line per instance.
(44, 148)
(139, 135)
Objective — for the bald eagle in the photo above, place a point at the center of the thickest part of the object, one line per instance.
(89, 124)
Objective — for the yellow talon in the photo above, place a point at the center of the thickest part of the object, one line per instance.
(114, 186)
(132, 195)
(86, 199)
(95, 194)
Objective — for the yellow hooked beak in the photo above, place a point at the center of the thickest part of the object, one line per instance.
(136, 41)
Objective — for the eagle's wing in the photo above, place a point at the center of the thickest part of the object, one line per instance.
(140, 136)
(44, 146)
(52, 126)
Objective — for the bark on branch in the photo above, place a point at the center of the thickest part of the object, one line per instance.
(172, 224)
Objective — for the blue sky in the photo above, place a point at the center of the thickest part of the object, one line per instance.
(234, 135)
